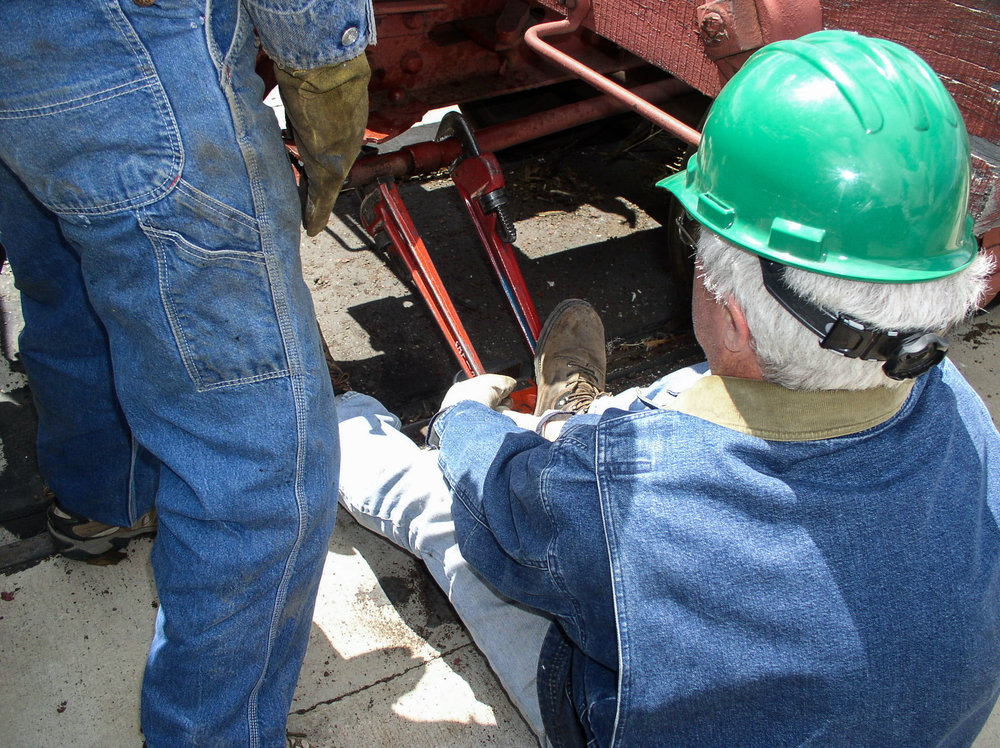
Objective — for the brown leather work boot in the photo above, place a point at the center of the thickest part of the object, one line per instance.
(570, 359)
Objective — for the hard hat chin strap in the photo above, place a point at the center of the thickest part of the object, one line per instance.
(906, 354)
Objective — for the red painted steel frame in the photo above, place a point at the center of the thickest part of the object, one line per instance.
(642, 107)
(422, 158)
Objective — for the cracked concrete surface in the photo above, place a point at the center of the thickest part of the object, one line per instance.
(387, 664)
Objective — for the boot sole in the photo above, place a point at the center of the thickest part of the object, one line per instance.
(543, 337)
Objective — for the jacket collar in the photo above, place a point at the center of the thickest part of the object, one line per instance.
(770, 411)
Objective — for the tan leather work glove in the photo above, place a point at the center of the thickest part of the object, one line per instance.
(327, 110)
(489, 389)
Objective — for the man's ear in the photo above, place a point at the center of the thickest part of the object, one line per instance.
(736, 336)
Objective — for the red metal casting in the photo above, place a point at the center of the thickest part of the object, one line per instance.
(533, 37)
(431, 55)
(788, 19)
(729, 27)
(732, 30)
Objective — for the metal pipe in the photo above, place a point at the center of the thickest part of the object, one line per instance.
(423, 158)
(394, 8)
(642, 107)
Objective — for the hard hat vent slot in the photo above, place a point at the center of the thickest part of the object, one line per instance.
(715, 212)
(804, 242)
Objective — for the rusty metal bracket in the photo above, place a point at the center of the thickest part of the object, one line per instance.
(732, 27)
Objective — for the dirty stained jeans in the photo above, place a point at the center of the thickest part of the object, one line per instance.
(151, 221)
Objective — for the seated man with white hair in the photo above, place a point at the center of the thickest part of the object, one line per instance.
(797, 546)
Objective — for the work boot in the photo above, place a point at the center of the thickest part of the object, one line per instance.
(570, 360)
(81, 539)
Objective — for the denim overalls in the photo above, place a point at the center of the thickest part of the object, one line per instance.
(151, 220)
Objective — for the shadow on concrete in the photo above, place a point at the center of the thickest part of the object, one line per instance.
(423, 608)
(403, 578)
(23, 497)
(370, 714)
(626, 278)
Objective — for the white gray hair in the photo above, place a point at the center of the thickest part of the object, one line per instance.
(789, 354)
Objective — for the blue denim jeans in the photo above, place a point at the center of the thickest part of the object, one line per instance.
(394, 488)
(151, 220)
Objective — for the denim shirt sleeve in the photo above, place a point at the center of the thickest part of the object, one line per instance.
(306, 34)
(498, 474)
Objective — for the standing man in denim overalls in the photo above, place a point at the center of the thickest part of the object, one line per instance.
(151, 221)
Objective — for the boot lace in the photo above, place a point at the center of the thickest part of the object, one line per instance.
(581, 388)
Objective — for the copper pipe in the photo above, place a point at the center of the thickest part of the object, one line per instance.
(423, 158)
(642, 107)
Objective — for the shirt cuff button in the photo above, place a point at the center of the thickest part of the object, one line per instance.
(350, 36)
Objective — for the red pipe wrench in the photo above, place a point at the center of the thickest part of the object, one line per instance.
(386, 218)
(480, 182)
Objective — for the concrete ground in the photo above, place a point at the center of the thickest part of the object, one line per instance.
(388, 663)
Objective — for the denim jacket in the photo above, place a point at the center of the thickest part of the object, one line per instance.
(750, 566)
(305, 34)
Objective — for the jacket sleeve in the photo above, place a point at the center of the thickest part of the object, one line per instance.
(508, 525)
(306, 34)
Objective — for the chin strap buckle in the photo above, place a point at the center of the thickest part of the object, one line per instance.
(906, 354)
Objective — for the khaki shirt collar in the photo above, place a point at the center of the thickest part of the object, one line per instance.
(770, 411)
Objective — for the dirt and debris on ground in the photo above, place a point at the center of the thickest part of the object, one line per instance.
(589, 225)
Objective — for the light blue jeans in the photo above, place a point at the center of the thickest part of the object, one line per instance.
(394, 488)
(150, 217)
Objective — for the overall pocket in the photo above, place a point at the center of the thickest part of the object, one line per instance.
(89, 130)
(221, 310)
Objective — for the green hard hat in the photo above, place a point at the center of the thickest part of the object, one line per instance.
(840, 154)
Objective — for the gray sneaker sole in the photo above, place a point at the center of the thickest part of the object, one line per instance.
(83, 549)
